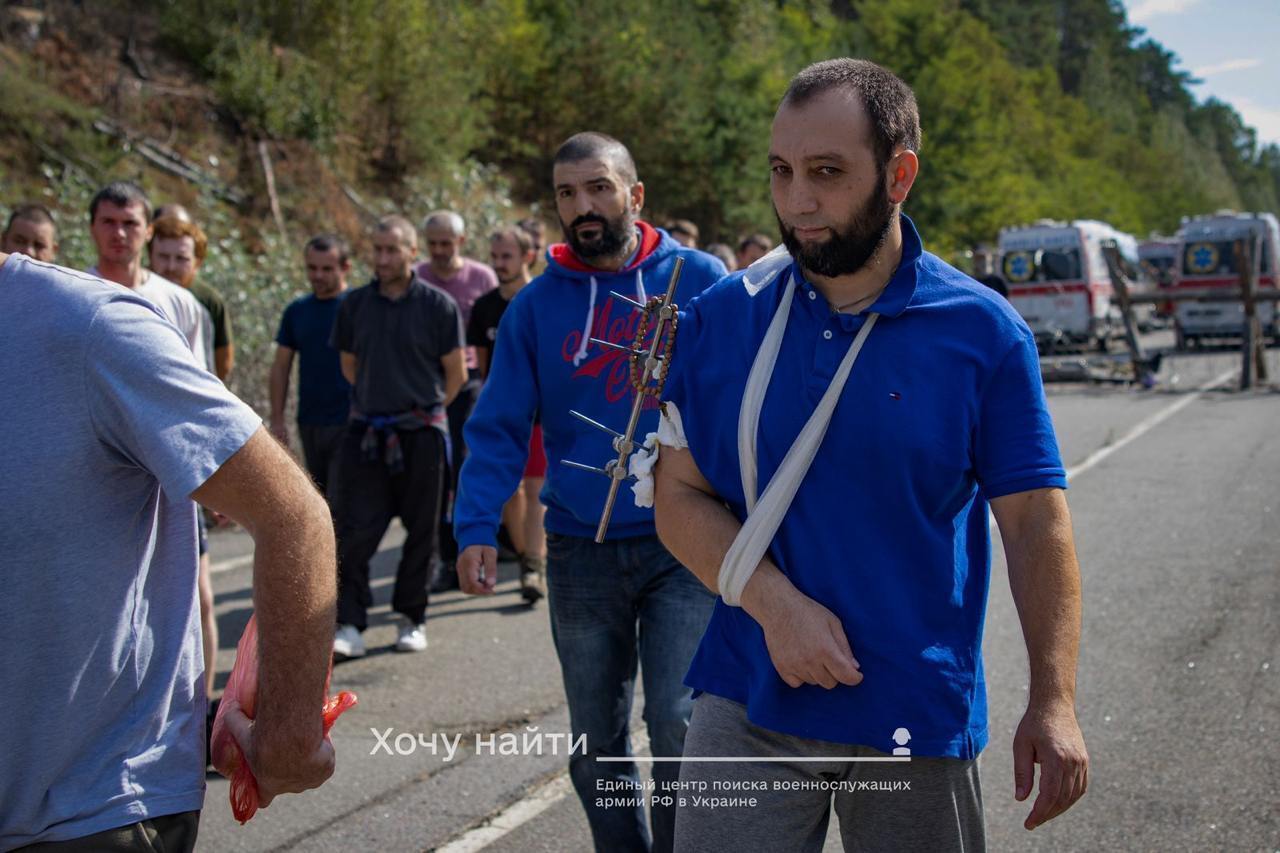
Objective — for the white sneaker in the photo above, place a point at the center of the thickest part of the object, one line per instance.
(347, 642)
(413, 638)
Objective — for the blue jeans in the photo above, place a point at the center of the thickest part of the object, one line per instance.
(614, 605)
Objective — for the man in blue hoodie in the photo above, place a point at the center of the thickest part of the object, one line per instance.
(625, 601)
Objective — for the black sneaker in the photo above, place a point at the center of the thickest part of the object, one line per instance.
(533, 579)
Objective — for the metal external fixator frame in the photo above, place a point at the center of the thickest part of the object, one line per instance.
(653, 361)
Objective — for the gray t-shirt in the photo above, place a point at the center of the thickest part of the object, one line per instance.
(398, 346)
(109, 425)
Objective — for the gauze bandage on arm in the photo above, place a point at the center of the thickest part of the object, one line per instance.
(670, 434)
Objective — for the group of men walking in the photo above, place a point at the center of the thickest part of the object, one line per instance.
(805, 590)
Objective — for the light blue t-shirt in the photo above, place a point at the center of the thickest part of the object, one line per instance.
(108, 426)
(943, 411)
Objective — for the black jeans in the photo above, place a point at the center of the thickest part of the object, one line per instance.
(321, 450)
(370, 495)
(173, 833)
(459, 410)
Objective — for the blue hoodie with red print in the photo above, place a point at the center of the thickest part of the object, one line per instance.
(544, 365)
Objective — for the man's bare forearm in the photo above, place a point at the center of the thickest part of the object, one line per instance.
(455, 374)
(294, 585)
(295, 577)
(279, 391)
(350, 366)
(698, 529)
(1044, 578)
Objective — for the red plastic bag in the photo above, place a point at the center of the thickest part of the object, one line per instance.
(242, 690)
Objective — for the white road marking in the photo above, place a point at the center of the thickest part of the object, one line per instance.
(1149, 423)
(1142, 428)
(525, 809)
(520, 812)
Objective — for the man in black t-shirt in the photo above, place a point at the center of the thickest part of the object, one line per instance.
(512, 252)
(400, 344)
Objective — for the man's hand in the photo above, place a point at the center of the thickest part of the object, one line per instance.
(806, 641)
(478, 569)
(280, 430)
(1049, 736)
(279, 764)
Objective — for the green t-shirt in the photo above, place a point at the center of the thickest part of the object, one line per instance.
(217, 308)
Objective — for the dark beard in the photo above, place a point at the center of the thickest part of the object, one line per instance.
(851, 247)
(615, 234)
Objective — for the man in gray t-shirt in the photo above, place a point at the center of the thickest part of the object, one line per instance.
(111, 429)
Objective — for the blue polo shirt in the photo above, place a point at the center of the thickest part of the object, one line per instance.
(944, 410)
(324, 395)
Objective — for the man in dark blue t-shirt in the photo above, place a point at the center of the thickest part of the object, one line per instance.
(324, 395)
(839, 417)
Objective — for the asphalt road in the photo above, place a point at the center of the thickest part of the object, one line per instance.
(1178, 692)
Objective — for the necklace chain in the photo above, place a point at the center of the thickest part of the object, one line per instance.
(869, 298)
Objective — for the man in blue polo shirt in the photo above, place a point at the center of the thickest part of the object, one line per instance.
(324, 394)
(839, 417)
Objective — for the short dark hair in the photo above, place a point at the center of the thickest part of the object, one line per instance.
(121, 194)
(514, 232)
(889, 102)
(402, 227)
(761, 241)
(533, 226)
(328, 243)
(682, 226)
(591, 145)
(32, 213)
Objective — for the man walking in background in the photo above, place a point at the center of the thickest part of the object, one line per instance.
(537, 231)
(466, 280)
(177, 251)
(31, 231)
(752, 248)
(324, 394)
(683, 232)
(400, 343)
(511, 251)
(120, 224)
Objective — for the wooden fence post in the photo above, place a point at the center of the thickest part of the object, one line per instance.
(1120, 283)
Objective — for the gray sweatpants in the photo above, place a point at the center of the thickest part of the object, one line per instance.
(926, 804)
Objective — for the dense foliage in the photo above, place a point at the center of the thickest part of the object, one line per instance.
(1031, 108)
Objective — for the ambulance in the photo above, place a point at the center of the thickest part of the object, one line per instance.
(1058, 281)
(1206, 255)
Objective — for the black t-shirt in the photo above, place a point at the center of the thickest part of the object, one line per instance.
(398, 346)
(482, 331)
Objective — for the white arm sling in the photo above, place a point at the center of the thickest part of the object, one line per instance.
(764, 517)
